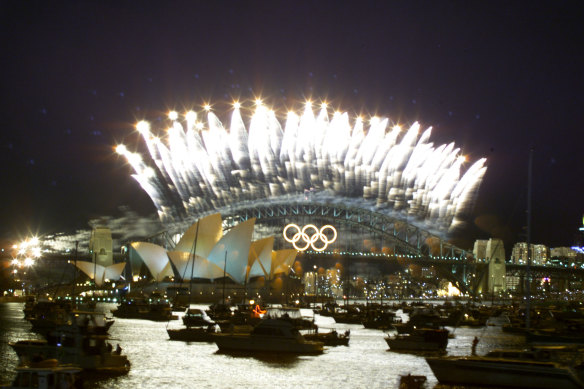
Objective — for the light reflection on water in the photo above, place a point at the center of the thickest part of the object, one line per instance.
(160, 363)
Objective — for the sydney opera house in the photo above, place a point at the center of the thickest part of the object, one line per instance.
(203, 252)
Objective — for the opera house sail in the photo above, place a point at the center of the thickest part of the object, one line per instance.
(233, 254)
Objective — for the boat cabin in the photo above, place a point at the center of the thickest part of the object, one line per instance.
(47, 375)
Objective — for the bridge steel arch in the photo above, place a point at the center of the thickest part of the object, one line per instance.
(407, 237)
(419, 245)
(422, 246)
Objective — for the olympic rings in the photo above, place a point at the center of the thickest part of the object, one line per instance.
(312, 239)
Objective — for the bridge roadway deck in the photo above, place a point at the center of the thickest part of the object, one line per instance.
(465, 274)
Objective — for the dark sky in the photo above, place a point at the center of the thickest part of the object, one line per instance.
(495, 77)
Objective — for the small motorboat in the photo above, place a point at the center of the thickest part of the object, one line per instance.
(411, 381)
(420, 339)
(194, 333)
(331, 338)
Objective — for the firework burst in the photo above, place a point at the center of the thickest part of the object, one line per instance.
(198, 167)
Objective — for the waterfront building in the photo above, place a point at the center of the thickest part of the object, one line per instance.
(519, 253)
(428, 272)
(541, 254)
(512, 283)
(563, 252)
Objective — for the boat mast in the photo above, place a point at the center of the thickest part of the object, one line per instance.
(527, 268)
(75, 276)
(94, 259)
(194, 251)
(224, 266)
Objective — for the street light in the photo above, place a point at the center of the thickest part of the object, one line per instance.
(26, 253)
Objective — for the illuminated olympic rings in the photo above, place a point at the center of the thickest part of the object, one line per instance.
(317, 235)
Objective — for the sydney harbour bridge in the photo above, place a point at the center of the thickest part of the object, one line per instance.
(389, 243)
(365, 236)
(391, 195)
(390, 192)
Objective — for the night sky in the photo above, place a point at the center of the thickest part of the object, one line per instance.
(497, 78)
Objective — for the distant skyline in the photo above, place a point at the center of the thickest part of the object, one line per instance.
(496, 78)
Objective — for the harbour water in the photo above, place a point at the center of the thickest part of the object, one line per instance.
(160, 363)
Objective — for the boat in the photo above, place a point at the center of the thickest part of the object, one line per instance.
(29, 306)
(198, 327)
(196, 317)
(140, 308)
(555, 336)
(533, 368)
(46, 315)
(411, 381)
(83, 346)
(380, 319)
(271, 336)
(328, 309)
(46, 374)
(194, 334)
(220, 312)
(349, 315)
(332, 338)
(419, 318)
(420, 339)
(243, 314)
(91, 321)
(291, 314)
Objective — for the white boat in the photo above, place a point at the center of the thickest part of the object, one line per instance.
(270, 335)
(196, 317)
(291, 314)
(537, 368)
(47, 374)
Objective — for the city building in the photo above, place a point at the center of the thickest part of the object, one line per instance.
(513, 283)
(540, 254)
(428, 272)
(563, 253)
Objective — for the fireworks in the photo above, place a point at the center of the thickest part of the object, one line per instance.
(200, 167)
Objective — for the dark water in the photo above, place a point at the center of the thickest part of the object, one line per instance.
(160, 363)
